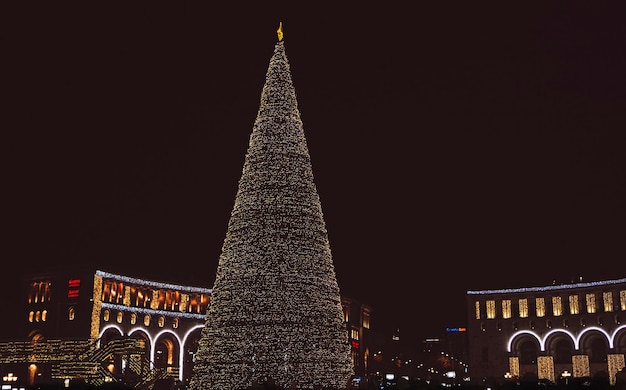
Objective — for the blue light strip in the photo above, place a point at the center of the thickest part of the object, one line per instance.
(547, 288)
(149, 283)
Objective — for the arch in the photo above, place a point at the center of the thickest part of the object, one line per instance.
(519, 336)
(595, 343)
(141, 334)
(189, 349)
(619, 339)
(108, 333)
(526, 345)
(561, 348)
(592, 330)
(166, 350)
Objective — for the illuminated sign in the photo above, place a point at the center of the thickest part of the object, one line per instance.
(454, 330)
(73, 286)
(355, 344)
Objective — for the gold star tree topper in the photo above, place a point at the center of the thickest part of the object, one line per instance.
(280, 31)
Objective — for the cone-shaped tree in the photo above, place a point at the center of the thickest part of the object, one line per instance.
(275, 313)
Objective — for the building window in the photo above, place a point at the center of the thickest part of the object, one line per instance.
(607, 298)
(31, 316)
(133, 318)
(71, 313)
(622, 300)
(573, 304)
(557, 306)
(44, 315)
(354, 334)
(523, 308)
(366, 319)
(491, 309)
(161, 321)
(477, 309)
(120, 317)
(37, 316)
(175, 323)
(591, 303)
(39, 292)
(146, 320)
(506, 308)
(105, 315)
(541, 307)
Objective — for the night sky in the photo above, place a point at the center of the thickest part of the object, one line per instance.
(460, 146)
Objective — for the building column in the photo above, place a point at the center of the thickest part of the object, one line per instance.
(580, 364)
(615, 363)
(514, 366)
(545, 368)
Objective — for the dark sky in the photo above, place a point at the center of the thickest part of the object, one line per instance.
(459, 146)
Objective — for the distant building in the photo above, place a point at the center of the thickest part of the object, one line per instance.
(91, 326)
(552, 333)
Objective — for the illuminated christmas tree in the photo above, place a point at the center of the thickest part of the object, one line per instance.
(275, 314)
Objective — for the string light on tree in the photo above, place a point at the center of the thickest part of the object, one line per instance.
(275, 313)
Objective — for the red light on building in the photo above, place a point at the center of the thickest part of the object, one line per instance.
(355, 344)
(73, 286)
(73, 283)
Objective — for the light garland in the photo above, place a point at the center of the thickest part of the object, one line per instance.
(150, 283)
(275, 313)
(547, 288)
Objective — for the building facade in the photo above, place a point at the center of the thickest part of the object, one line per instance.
(95, 327)
(552, 333)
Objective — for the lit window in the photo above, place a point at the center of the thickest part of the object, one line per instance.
(71, 313)
(491, 309)
(607, 298)
(105, 315)
(175, 323)
(506, 308)
(591, 303)
(133, 318)
(161, 321)
(44, 315)
(557, 306)
(31, 316)
(37, 316)
(622, 300)
(541, 307)
(573, 304)
(146, 320)
(523, 308)
(354, 334)
(120, 317)
(477, 306)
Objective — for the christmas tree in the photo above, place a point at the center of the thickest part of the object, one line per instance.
(275, 314)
